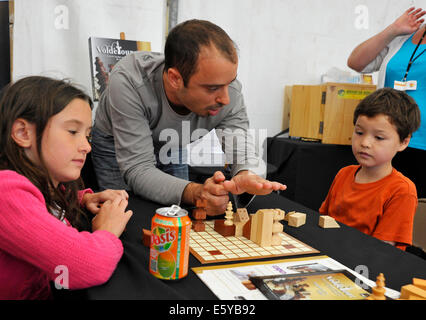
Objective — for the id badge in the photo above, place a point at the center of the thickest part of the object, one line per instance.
(402, 85)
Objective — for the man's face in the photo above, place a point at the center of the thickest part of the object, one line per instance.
(207, 89)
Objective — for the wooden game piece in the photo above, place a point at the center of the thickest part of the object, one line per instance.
(241, 217)
(201, 203)
(229, 215)
(327, 222)
(410, 291)
(221, 228)
(378, 292)
(277, 227)
(247, 227)
(297, 219)
(419, 283)
(199, 214)
(146, 238)
(261, 228)
(198, 226)
(288, 215)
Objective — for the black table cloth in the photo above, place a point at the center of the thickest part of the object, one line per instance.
(132, 279)
(307, 168)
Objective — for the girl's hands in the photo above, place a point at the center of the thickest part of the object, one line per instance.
(112, 216)
(93, 201)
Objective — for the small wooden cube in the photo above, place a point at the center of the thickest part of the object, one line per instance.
(297, 219)
(201, 203)
(146, 237)
(199, 214)
(288, 215)
(420, 283)
(412, 290)
(198, 226)
(327, 222)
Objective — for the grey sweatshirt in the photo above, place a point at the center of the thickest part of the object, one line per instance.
(135, 111)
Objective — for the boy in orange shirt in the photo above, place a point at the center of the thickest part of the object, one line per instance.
(373, 197)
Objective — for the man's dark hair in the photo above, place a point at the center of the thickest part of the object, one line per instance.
(185, 41)
(401, 109)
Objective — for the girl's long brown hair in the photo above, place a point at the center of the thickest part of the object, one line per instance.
(36, 99)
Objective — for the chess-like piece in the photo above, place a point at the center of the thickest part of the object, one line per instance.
(379, 289)
(229, 215)
(277, 227)
(241, 218)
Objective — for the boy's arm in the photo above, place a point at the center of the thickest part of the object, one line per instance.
(396, 224)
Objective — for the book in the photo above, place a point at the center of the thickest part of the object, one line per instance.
(104, 54)
(323, 285)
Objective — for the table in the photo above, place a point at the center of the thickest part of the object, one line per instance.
(132, 279)
(307, 168)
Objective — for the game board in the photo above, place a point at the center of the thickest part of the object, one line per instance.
(210, 247)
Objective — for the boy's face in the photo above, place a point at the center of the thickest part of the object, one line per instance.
(375, 141)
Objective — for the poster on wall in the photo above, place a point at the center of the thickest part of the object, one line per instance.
(104, 54)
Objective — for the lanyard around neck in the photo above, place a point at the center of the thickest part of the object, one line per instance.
(412, 56)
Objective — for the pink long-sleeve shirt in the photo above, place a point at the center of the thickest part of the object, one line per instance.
(36, 247)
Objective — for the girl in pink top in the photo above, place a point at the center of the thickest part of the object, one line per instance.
(44, 140)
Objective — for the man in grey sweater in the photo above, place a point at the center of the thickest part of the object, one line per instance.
(152, 98)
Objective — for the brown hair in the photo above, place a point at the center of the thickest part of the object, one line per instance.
(36, 99)
(401, 110)
(184, 43)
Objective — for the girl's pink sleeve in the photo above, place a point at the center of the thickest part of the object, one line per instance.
(29, 232)
(81, 194)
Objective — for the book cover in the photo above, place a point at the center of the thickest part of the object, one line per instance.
(324, 285)
(104, 54)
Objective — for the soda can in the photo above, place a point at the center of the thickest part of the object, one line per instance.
(169, 251)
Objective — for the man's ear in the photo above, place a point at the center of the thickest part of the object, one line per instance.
(23, 133)
(175, 78)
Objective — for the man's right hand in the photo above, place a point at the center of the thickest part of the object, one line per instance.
(212, 190)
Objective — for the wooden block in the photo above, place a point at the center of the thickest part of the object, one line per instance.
(247, 227)
(327, 222)
(241, 217)
(411, 290)
(201, 203)
(297, 219)
(419, 283)
(146, 238)
(277, 227)
(261, 230)
(253, 229)
(199, 213)
(288, 215)
(224, 230)
(198, 226)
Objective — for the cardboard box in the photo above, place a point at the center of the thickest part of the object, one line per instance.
(325, 112)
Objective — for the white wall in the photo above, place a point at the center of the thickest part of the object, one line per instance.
(281, 42)
(286, 42)
(51, 36)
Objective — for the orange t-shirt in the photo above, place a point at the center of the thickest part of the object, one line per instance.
(383, 209)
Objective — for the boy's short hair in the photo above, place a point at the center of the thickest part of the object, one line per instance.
(401, 109)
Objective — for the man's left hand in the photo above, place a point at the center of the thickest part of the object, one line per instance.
(246, 181)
